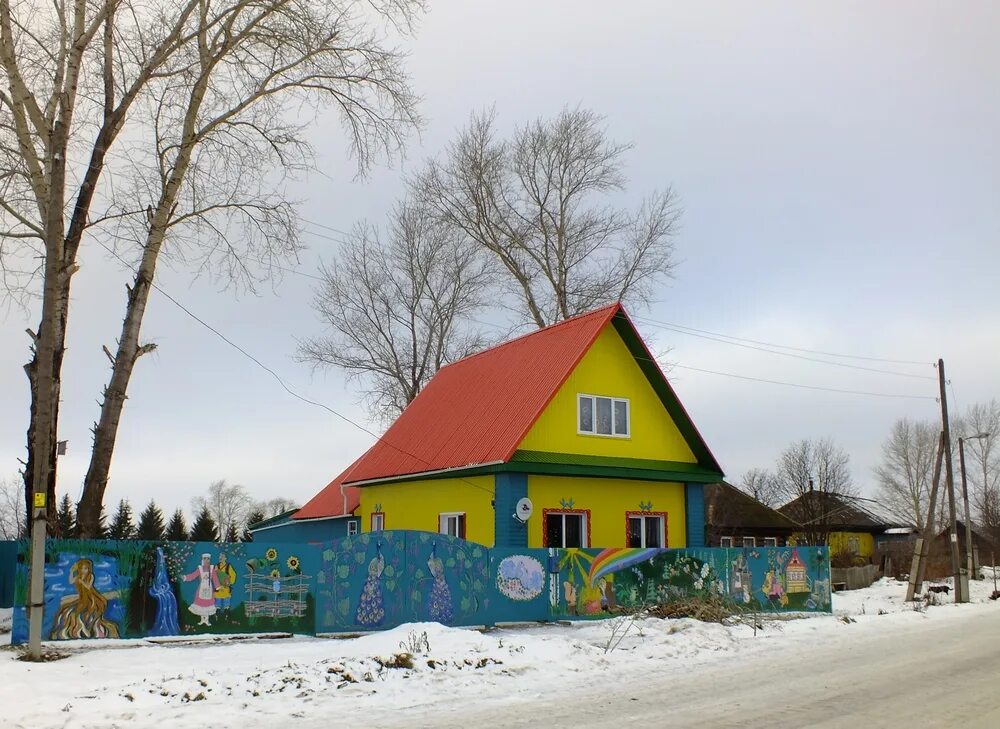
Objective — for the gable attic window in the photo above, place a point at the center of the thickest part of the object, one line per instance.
(597, 415)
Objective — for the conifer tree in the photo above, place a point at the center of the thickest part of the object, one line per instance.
(66, 518)
(177, 530)
(150, 523)
(122, 526)
(231, 534)
(255, 516)
(204, 528)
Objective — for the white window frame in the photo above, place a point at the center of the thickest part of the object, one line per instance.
(726, 542)
(448, 516)
(593, 415)
(770, 541)
(663, 534)
(352, 527)
(584, 542)
(380, 515)
(752, 540)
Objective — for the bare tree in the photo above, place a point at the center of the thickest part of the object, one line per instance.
(904, 475)
(397, 308)
(196, 109)
(760, 483)
(12, 521)
(229, 505)
(814, 474)
(273, 507)
(982, 461)
(534, 203)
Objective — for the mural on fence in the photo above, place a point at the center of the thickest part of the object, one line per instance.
(381, 579)
(595, 582)
(129, 589)
(372, 581)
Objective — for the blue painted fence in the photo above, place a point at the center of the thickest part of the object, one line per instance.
(383, 579)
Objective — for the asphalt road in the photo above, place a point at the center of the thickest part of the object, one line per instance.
(939, 674)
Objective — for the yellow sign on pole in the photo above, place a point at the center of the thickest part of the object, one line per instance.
(39, 499)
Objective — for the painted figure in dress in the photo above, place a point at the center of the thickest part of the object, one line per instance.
(204, 596)
(82, 615)
(439, 607)
(371, 611)
(226, 576)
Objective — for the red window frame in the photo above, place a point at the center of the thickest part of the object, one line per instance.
(545, 519)
(662, 514)
(371, 522)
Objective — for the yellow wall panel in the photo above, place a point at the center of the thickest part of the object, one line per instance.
(842, 542)
(609, 369)
(608, 500)
(418, 504)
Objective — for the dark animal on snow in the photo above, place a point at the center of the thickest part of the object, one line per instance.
(939, 588)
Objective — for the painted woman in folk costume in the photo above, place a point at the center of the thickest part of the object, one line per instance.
(204, 595)
(371, 611)
(82, 615)
(439, 606)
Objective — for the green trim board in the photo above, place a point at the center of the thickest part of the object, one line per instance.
(627, 331)
(567, 464)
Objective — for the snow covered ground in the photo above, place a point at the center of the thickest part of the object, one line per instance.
(363, 681)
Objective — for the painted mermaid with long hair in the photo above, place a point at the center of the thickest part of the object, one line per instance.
(82, 615)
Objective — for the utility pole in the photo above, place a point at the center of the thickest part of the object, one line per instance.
(960, 576)
(36, 585)
(918, 567)
(969, 561)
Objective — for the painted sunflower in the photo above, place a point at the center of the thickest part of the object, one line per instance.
(271, 554)
(275, 574)
(293, 562)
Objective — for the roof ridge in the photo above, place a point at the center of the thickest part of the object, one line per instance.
(506, 342)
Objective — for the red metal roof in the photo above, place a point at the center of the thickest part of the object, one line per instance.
(477, 410)
(335, 499)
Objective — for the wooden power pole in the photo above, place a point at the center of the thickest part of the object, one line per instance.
(918, 568)
(961, 584)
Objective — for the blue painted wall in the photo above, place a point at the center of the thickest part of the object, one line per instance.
(508, 531)
(378, 580)
(310, 531)
(694, 507)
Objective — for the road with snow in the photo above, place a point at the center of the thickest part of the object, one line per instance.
(933, 674)
(876, 662)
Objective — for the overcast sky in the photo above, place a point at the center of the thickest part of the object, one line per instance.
(838, 169)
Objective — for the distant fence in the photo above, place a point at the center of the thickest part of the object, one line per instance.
(372, 581)
(854, 578)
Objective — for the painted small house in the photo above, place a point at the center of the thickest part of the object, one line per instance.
(577, 418)
(330, 514)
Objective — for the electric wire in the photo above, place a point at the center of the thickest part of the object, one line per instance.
(783, 354)
(785, 346)
(278, 377)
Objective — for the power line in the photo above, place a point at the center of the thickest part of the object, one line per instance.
(806, 387)
(783, 354)
(277, 377)
(785, 346)
(328, 227)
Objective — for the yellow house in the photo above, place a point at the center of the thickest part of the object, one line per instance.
(570, 436)
(840, 522)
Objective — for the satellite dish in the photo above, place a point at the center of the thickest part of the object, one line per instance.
(523, 509)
